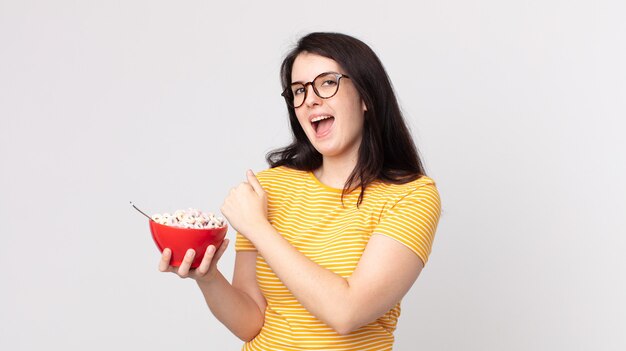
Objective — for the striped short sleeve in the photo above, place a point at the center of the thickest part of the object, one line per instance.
(413, 219)
(243, 244)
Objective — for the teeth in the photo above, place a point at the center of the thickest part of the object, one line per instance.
(317, 119)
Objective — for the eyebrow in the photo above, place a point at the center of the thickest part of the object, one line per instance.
(319, 74)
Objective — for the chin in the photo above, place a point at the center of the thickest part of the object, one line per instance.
(328, 151)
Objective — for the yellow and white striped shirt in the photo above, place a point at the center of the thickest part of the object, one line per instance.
(311, 217)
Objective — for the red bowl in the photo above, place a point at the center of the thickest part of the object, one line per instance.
(179, 240)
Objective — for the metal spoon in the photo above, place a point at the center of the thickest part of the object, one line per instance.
(140, 211)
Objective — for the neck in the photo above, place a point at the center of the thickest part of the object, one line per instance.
(335, 171)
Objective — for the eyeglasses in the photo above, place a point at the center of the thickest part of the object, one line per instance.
(324, 85)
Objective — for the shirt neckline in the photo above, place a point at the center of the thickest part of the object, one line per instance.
(327, 187)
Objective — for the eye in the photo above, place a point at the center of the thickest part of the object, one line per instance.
(329, 82)
(298, 91)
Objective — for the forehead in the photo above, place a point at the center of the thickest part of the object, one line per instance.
(307, 66)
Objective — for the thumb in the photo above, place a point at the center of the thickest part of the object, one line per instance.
(254, 182)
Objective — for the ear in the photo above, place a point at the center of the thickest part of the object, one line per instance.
(363, 106)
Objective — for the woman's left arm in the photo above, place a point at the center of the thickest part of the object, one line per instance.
(384, 274)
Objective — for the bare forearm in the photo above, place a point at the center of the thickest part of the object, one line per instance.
(322, 292)
(233, 307)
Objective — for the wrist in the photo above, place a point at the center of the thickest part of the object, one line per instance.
(208, 280)
(258, 230)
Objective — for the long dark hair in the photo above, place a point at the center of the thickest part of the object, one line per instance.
(387, 151)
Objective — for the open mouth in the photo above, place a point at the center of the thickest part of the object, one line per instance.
(322, 124)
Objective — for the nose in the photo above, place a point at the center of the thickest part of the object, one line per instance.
(311, 97)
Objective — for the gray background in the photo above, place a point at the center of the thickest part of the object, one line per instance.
(517, 107)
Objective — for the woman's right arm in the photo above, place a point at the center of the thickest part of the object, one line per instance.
(240, 306)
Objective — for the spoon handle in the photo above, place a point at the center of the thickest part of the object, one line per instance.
(140, 211)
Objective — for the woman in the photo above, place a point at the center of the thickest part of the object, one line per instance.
(334, 234)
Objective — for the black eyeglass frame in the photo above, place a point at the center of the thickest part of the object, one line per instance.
(288, 94)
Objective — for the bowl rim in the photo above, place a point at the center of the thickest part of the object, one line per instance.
(225, 226)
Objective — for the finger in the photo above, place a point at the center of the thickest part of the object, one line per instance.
(254, 182)
(206, 261)
(183, 270)
(164, 263)
(221, 250)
